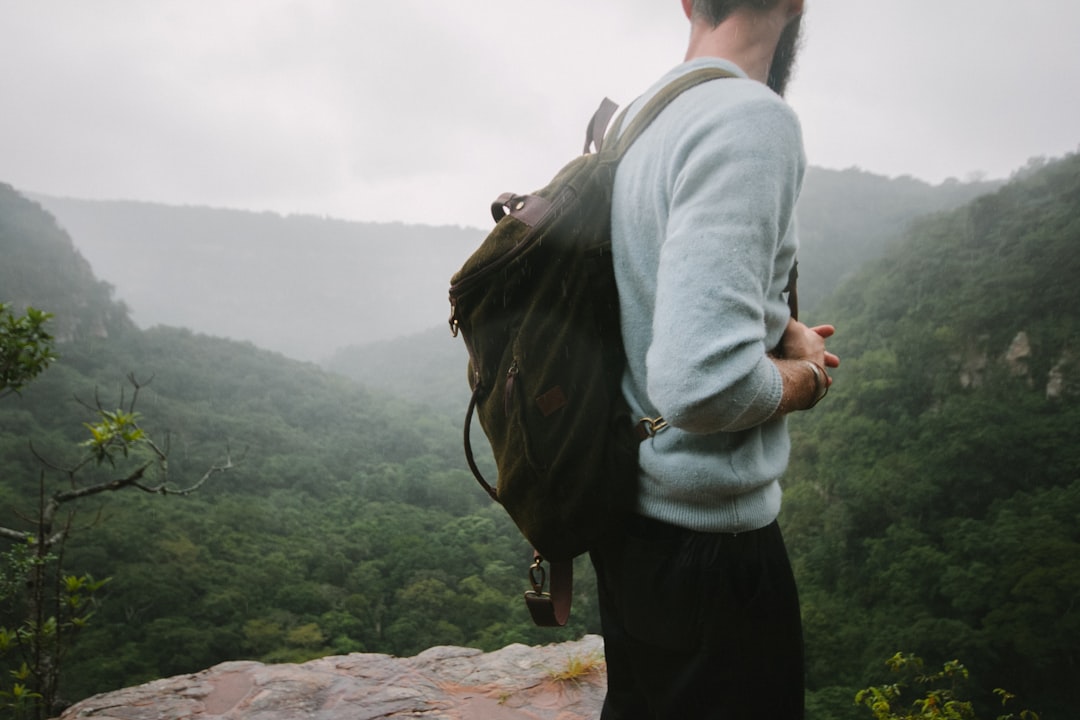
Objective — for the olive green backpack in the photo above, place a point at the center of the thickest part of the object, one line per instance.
(538, 309)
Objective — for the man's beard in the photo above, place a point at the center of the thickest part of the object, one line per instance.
(783, 61)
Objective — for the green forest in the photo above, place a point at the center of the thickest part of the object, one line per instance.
(932, 505)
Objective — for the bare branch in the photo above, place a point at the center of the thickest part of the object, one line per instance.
(227, 465)
(22, 516)
(162, 455)
(70, 472)
(138, 386)
(85, 404)
(85, 526)
(15, 535)
(131, 480)
(43, 460)
(62, 535)
(214, 470)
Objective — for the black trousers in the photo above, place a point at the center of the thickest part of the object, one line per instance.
(699, 625)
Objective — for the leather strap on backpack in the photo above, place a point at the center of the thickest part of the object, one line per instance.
(792, 290)
(597, 128)
(552, 608)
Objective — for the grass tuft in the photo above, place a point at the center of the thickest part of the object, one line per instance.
(578, 667)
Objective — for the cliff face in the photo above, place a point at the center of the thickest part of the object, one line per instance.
(556, 682)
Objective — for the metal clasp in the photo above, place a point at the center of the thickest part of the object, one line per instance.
(453, 318)
(538, 575)
(653, 425)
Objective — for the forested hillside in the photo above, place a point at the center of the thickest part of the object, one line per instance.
(39, 264)
(426, 367)
(932, 505)
(848, 217)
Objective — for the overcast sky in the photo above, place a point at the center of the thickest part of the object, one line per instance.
(417, 111)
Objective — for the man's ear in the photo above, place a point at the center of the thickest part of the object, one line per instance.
(688, 8)
(796, 8)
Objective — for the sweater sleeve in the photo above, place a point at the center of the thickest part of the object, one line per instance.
(733, 181)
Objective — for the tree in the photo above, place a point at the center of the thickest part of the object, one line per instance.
(25, 348)
(55, 605)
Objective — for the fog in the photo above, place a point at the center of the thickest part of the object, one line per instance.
(422, 112)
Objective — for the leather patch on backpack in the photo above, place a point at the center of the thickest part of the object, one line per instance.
(551, 401)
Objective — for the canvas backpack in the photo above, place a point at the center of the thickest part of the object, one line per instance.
(538, 309)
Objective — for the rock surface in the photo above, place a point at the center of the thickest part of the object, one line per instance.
(564, 681)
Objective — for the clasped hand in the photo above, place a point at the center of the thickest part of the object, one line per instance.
(801, 342)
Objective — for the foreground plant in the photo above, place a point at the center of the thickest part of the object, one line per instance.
(578, 667)
(940, 696)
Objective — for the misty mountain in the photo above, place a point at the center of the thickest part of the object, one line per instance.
(299, 285)
(306, 286)
(849, 217)
(49, 272)
(426, 368)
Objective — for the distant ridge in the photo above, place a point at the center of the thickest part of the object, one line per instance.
(298, 284)
(306, 286)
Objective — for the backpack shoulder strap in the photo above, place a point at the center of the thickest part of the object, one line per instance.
(658, 102)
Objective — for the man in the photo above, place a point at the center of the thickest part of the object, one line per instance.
(698, 604)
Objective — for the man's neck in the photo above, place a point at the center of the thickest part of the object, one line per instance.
(746, 38)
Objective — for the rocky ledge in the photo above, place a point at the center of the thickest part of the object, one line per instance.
(565, 681)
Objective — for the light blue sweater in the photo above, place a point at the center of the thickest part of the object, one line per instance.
(703, 240)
